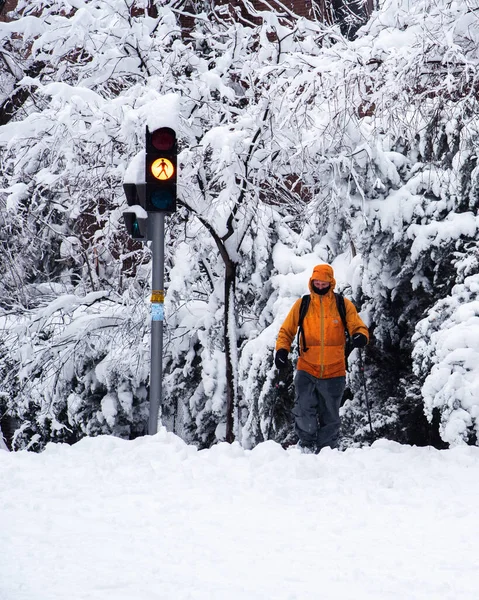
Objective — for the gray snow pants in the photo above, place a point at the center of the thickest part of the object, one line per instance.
(316, 409)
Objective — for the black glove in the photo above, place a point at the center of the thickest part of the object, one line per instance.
(359, 340)
(281, 359)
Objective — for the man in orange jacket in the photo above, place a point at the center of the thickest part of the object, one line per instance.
(321, 370)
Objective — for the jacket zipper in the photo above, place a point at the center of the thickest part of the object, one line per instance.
(322, 336)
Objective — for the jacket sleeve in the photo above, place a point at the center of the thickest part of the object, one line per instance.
(354, 321)
(289, 328)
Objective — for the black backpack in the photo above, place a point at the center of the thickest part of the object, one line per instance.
(303, 309)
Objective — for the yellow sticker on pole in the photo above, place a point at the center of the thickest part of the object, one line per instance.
(157, 296)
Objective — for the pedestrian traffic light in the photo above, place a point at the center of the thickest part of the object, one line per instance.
(136, 219)
(160, 170)
(136, 226)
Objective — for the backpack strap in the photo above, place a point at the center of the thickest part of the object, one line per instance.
(342, 313)
(303, 309)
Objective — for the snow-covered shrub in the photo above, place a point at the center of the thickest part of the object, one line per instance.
(77, 374)
(446, 356)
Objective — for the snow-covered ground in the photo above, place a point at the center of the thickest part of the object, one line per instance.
(155, 519)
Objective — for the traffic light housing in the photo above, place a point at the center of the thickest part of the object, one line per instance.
(137, 226)
(150, 182)
(161, 170)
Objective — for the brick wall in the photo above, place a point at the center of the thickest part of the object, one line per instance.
(5, 7)
(328, 11)
(303, 8)
(309, 8)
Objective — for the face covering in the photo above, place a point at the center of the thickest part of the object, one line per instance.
(323, 291)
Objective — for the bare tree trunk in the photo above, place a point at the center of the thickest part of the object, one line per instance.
(229, 328)
(230, 346)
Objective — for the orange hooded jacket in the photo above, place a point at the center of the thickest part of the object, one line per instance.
(323, 330)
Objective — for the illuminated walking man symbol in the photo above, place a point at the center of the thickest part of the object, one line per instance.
(162, 168)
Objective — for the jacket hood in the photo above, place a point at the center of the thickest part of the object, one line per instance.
(323, 273)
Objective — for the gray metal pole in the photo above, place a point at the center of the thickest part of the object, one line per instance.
(157, 235)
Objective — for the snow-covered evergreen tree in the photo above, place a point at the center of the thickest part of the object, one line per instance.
(417, 63)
